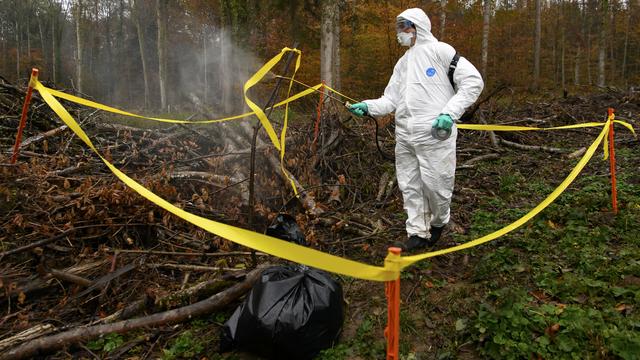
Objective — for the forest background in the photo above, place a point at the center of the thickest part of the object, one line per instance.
(164, 54)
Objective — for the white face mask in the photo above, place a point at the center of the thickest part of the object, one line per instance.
(405, 38)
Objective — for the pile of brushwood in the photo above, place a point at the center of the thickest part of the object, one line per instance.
(80, 252)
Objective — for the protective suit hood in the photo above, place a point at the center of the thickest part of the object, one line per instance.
(422, 23)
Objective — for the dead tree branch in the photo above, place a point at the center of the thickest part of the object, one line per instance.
(83, 333)
(533, 147)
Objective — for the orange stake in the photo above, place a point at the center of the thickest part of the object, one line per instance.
(23, 117)
(317, 127)
(392, 331)
(612, 162)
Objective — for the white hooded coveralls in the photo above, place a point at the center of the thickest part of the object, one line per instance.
(418, 91)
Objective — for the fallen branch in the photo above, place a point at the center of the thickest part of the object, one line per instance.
(82, 333)
(26, 335)
(471, 163)
(42, 136)
(191, 267)
(68, 277)
(577, 153)
(175, 253)
(492, 135)
(51, 239)
(148, 302)
(533, 147)
(110, 276)
(44, 282)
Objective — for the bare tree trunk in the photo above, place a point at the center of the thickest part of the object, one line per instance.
(486, 11)
(562, 45)
(42, 40)
(54, 51)
(443, 18)
(54, 43)
(536, 51)
(602, 40)
(79, 47)
(137, 19)
(162, 51)
(120, 64)
(576, 68)
(336, 48)
(327, 38)
(205, 95)
(109, 48)
(5, 55)
(588, 54)
(17, 49)
(626, 46)
(28, 18)
(611, 21)
(225, 71)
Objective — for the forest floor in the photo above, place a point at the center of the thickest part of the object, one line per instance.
(564, 285)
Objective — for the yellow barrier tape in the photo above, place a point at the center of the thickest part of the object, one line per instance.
(489, 127)
(254, 79)
(283, 133)
(627, 125)
(339, 93)
(408, 260)
(95, 105)
(260, 242)
(605, 143)
(302, 254)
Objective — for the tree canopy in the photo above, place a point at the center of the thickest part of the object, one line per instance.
(111, 50)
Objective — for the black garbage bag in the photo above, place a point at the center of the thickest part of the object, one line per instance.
(286, 228)
(293, 312)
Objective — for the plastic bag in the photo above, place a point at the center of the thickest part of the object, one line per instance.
(293, 312)
(286, 228)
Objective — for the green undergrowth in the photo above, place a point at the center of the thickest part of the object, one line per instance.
(566, 285)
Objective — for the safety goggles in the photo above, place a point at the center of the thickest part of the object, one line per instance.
(403, 24)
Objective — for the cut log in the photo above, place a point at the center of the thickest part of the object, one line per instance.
(577, 153)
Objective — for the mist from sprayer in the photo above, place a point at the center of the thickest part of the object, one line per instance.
(213, 68)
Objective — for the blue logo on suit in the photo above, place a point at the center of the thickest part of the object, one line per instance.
(431, 71)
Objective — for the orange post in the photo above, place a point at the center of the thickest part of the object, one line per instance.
(23, 117)
(319, 109)
(612, 162)
(392, 291)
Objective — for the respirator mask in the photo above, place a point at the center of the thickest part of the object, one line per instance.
(404, 38)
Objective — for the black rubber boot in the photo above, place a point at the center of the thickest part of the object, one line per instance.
(436, 232)
(412, 243)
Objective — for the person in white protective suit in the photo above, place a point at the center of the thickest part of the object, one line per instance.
(423, 98)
